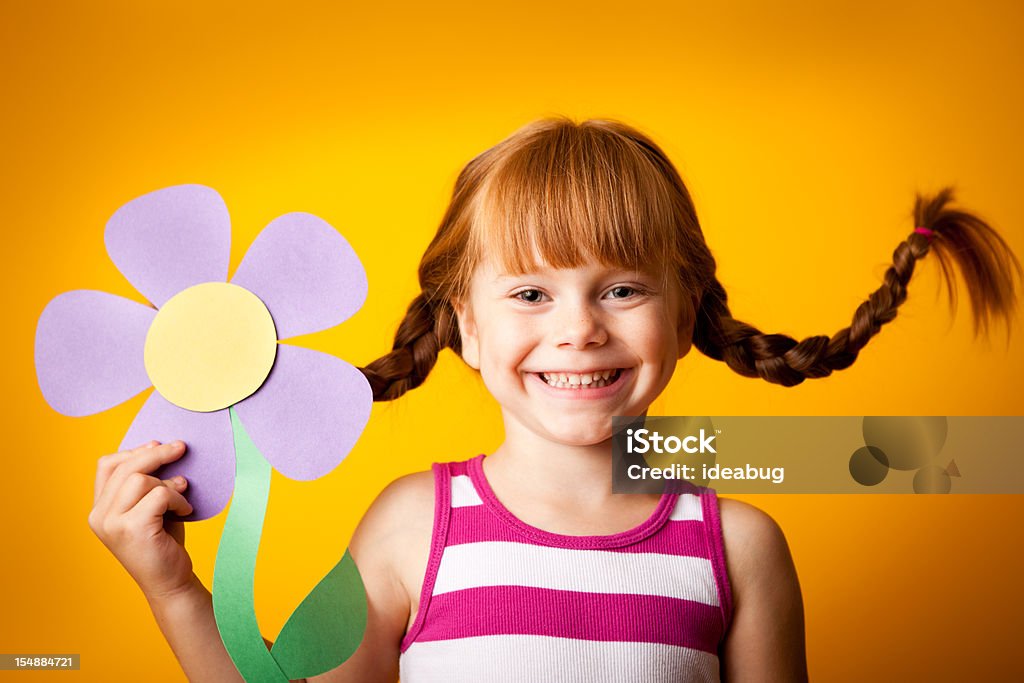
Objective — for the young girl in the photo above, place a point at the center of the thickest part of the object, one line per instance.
(571, 271)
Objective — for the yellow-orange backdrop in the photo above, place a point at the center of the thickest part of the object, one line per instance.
(803, 131)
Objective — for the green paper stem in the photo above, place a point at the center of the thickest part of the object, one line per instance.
(235, 571)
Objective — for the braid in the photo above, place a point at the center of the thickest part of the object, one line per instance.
(983, 258)
(426, 329)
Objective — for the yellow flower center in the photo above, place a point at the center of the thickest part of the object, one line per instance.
(210, 346)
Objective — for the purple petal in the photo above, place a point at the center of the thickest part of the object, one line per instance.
(171, 239)
(309, 413)
(306, 274)
(89, 351)
(209, 462)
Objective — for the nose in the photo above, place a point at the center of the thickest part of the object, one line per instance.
(580, 326)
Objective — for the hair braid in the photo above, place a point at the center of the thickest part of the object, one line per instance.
(426, 329)
(983, 258)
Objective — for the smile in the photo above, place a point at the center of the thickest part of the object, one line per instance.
(582, 381)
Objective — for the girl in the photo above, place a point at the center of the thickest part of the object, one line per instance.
(571, 271)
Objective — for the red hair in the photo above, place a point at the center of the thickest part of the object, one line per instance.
(600, 190)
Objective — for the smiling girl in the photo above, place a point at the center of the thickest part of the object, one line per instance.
(571, 271)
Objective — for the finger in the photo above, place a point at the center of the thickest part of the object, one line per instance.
(173, 526)
(142, 461)
(158, 501)
(105, 466)
(138, 485)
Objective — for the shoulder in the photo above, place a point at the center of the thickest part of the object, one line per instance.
(751, 539)
(766, 634)
(393, 539)
(404, 505)
(407, 494)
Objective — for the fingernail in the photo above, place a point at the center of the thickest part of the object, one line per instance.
(179, 480)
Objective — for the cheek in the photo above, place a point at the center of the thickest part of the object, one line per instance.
(657, 342)
(500, 363)
(503, 353)
(508, 338)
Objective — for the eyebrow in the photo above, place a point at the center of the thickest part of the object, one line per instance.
(511, 276)
(612, 272)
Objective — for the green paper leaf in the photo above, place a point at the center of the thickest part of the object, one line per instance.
(327, 627)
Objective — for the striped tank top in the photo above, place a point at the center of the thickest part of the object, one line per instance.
(506, 601)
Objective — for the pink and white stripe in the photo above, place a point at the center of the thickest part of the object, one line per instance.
(503, 600)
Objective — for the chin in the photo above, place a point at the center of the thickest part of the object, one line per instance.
(582, 437)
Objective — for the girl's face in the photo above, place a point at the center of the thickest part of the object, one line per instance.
(564, 349)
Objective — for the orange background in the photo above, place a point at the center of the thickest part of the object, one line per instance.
(803, 132)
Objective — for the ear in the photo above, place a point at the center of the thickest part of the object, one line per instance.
(468, 334)
(687, 320)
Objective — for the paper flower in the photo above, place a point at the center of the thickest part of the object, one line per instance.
(208, 345)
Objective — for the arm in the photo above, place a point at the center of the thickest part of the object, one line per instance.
(129, 517)
(766, 638)
(387, 539)
(187, 621)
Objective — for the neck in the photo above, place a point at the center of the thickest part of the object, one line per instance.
(550, 470)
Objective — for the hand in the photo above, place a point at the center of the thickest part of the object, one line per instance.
(128, 517)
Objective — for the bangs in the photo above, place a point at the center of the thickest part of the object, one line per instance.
(573, 195)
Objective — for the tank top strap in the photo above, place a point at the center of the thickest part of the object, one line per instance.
(716, 552)
(443, 475)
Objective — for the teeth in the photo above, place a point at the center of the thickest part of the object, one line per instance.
(564, 380)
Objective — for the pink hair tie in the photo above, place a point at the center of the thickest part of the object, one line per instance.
(930, 234)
